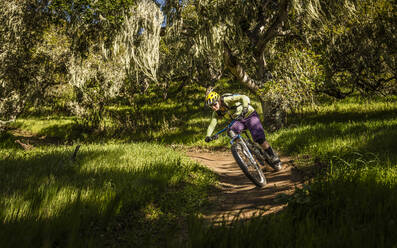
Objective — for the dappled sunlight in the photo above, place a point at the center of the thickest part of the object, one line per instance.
(345, 112)
(101, 102)
(39, 125)
(45, 188)
(14, 208)
(333, 133)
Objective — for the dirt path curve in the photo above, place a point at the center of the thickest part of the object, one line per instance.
(236, 194)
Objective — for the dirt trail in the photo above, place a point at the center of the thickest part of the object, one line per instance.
(236, 194)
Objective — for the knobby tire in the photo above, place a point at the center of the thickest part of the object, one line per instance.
(257, 176)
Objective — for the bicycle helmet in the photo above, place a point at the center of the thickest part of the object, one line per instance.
(212, 98)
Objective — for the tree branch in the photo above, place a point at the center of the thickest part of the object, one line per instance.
(272, 31)
(238, 71)
(7, 122)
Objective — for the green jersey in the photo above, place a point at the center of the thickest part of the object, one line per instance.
(231, 107)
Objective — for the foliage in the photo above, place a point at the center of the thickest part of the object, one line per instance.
(95, 81)
(358, 51)
(89, 21)
(23, 62)
(88, 43)
(101, 75)
(110, 195)
(95, 53)
(140, 37)
(243, 38)
(297, 72)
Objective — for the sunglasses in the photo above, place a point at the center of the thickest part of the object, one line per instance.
(212, 104)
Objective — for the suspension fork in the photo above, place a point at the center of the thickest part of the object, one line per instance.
(235, 136)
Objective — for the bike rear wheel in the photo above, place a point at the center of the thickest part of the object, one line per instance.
(251, 169)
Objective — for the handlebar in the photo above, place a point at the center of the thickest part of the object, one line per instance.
(225, 129)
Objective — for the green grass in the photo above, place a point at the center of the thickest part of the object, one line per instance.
(351, 203)
(182, 119)
(342, 129)
(124, 194)
(112, 195)
(61, 127)
(353, 209)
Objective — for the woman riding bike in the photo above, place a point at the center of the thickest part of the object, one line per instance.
(237, 107)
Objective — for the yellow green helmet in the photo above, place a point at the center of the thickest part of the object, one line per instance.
(211, 98)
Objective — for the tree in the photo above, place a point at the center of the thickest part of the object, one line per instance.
(358, 51)
(37, 38)
(242, 37)
(23, 63)
(133, 56)
(92, 45)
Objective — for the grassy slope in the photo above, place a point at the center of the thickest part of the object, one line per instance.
(112, 195)
(353, 204)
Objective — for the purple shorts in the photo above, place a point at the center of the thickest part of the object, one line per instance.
(252, 123)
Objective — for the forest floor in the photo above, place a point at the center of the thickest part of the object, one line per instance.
(235, 195)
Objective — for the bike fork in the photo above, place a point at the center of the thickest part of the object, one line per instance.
(246, 150)
(249, 155)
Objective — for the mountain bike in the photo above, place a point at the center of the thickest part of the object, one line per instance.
(248, 155)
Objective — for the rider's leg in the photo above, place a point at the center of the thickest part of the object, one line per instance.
(265, 145)
(237, 127)
(275, 160)
(254, 124)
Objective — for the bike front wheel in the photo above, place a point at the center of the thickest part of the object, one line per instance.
(250, 168)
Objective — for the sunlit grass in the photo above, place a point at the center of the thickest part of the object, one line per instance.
(350, 203)
(341, 129)
(106, 186)
(38, 125)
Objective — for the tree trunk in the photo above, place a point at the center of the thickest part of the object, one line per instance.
(260, 38)
(238, 71)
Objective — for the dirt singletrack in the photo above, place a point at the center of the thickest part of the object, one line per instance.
(236, 195)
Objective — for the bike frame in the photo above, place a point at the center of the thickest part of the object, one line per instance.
(227, 128)
(249, 155)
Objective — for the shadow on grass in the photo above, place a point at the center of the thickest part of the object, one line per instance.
(56, 202)
(152, 119)
(65, 132)
(334, 214)
(343, 116)
(56, 134)
(378, 138)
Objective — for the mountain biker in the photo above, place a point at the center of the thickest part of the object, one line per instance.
(237, 107)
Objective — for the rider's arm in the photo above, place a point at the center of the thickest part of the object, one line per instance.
(243, 99)
(212, 125)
